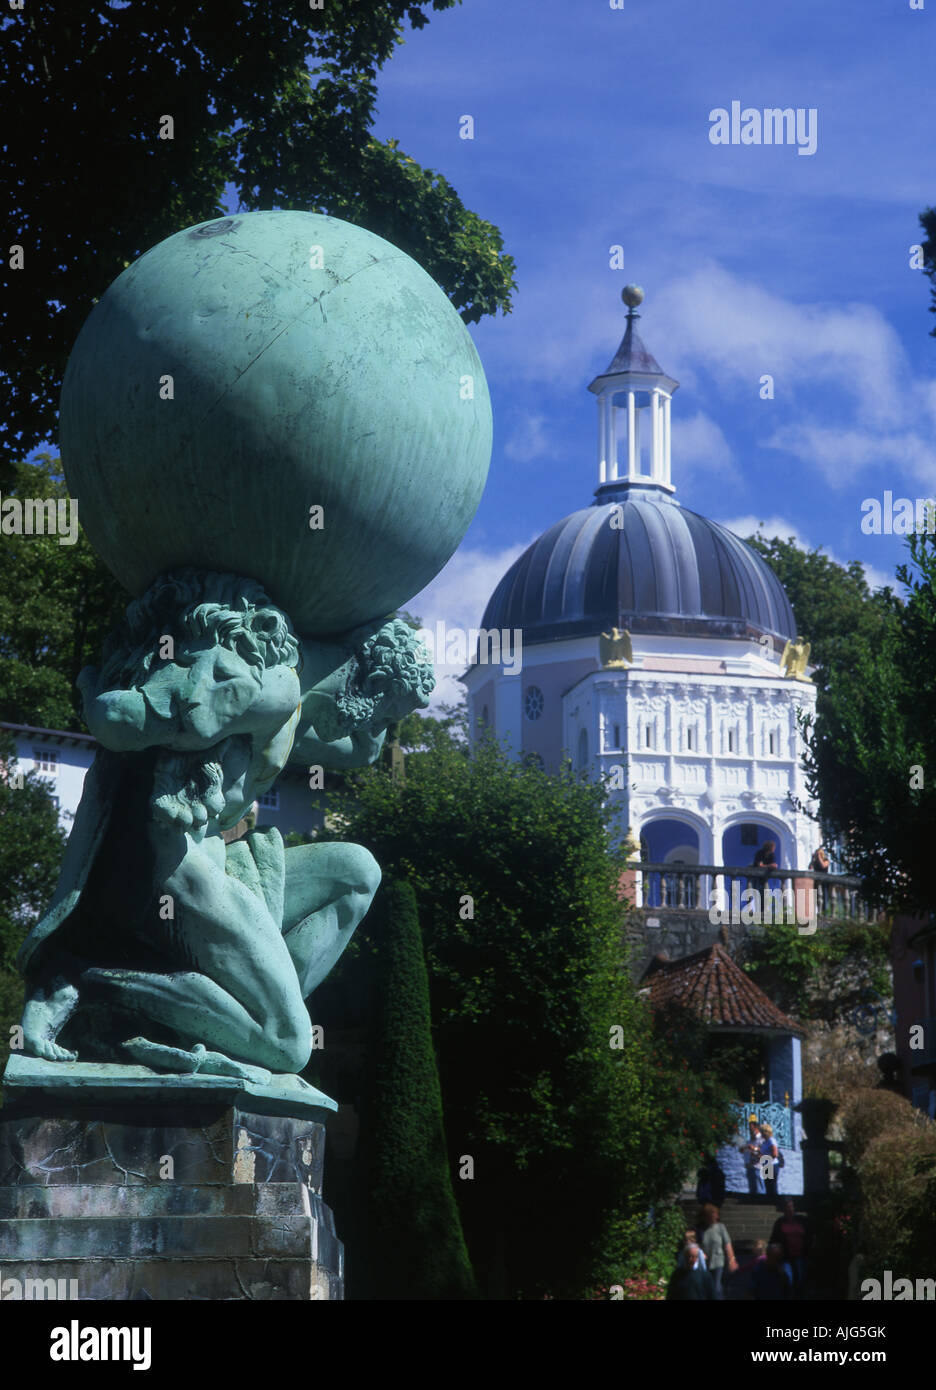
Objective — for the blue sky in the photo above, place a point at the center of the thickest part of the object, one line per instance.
(592, 130)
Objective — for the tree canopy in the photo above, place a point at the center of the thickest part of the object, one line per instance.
(57, 604)
(271, 107)
(31, 848)
(577, 1113)
(872, 747)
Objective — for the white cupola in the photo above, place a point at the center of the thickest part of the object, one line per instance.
(634, 396)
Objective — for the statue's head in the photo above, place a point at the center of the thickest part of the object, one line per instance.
(199, 608)
(391, 678)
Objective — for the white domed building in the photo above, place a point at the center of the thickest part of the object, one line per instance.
(693, 719)
(660, 651)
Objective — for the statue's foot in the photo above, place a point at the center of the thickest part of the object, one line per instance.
(44, 1016)
(198, 1059)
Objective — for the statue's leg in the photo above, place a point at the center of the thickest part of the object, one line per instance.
(198, 1012)
(223, 931)
(329, 888)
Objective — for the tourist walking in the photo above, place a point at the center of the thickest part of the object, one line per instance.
(690, 1282)
(716, 1246)
(790, 1234)
(770, 1280)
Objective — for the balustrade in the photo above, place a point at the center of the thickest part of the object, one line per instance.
(784, 894)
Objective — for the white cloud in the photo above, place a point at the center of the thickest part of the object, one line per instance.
(529, 439)
(457, 597)
(739, 331)
(700, 446)
(841, 453)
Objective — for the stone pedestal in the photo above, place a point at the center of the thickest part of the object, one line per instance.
(209, 1202)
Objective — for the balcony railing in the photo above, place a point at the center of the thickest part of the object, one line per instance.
(784, 894)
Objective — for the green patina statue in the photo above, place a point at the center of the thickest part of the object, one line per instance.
(238, 379)
(211, 948)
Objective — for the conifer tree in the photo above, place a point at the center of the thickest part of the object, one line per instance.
(414, 1241)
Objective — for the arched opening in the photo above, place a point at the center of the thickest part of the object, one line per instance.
(745, 843)
(671, 842)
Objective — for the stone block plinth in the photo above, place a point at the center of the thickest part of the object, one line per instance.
(209, 1203)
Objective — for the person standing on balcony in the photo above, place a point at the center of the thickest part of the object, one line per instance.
(766, 856)
(820, 863)
(751, 1153)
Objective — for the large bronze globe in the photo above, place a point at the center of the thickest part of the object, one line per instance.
(247, 372)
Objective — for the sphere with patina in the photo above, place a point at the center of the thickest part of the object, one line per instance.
(281, 395)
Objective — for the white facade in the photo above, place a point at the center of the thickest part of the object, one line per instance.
(60, 758)
(702, 731)
(700, 728)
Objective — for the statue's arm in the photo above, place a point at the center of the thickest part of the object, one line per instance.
(122, 720)
(357, 749)
(170, 711)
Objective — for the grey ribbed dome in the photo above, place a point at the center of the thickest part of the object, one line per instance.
(664, 569)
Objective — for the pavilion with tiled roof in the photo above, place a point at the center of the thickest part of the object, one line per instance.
(713, 987)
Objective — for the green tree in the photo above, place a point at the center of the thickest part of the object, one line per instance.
(928, 223)
(57, 604)
(547, 1058)
(415, 1248)
(872, 753)
(876, 668)
(31, 847)
(835, 609)
(271, 105)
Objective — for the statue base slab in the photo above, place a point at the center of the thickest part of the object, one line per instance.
(207, 1202)
(31, 1079)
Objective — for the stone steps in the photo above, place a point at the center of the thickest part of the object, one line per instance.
(746, 1221)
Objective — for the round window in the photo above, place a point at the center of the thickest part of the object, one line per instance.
(533, 702)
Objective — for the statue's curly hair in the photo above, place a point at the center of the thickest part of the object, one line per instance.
(389, 663)
(189, 602)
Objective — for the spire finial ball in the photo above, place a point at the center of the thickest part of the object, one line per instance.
(632, 295)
